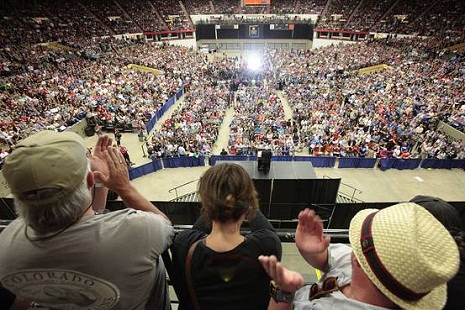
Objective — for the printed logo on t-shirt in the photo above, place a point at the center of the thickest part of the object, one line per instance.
(62, 289)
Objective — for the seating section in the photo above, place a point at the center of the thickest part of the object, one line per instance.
(310, 7)
(77, 75)
(196, 7)
(174, 15)
(442, 18)
(41, 21)
(369, 13)
(284, 7)
(144, 14)
(111, 15)
(259, 122)
(402, 16)
(337, 14)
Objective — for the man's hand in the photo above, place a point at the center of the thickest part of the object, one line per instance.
(287, 280)
(309, 239)
(97, 160)
(117, 178)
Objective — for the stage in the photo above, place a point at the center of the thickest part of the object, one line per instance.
(290, 182)
(282, 170)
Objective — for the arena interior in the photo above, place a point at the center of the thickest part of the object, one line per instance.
(371, 93)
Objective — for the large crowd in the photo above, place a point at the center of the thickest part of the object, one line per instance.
(338, 112)
(338, 107)
(57, 89)
(259, 121)
(389, 113)
(335, 111)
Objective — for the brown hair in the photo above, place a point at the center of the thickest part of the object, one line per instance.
(227, 192)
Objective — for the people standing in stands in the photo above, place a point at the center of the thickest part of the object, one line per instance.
(223, 152)
(62, 247)
(362, 151)
(223, 269)
(181, 151)
(151, 153)
(400, 257)
(450, 218)
(118, 136)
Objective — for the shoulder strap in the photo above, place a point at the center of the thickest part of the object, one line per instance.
(190, 285)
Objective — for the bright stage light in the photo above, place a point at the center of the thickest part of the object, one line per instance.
(254, 63)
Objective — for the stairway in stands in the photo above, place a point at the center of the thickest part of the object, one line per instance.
(189, 197)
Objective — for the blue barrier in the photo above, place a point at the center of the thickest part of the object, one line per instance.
(171, 162)
(179, 94)
(215, 158)
(443, 163)
(458, 163)
(145, 169)
(318, 162)
(396, 163)
(185, 161)
(168, 104)
(149, 126)
(281, 158)
(356, 162)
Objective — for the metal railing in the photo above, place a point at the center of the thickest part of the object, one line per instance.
(351, 188)
(285, 234)
(175, 189)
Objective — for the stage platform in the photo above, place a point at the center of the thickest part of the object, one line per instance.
(290, 186)
(282, 170)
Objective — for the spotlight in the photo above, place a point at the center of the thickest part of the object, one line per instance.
(254, 62)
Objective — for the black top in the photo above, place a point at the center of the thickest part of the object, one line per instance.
(227, 280)
(7, 298)
(456, 290)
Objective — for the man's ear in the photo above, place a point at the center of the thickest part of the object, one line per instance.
(90, 179)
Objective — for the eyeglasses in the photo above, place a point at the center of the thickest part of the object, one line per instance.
(329, 285)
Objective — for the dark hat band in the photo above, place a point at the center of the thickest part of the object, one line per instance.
(377, 267)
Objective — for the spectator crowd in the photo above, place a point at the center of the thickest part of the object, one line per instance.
(336, 111)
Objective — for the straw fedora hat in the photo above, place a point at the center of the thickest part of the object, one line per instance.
(407, 254)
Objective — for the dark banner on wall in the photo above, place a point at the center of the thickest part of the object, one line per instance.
(254, 31)
(205, 32)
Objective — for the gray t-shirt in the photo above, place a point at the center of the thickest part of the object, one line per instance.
(102, 262)
(339, 265)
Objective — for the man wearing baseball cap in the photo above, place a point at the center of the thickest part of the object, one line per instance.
(400, 257)
(62, 255)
